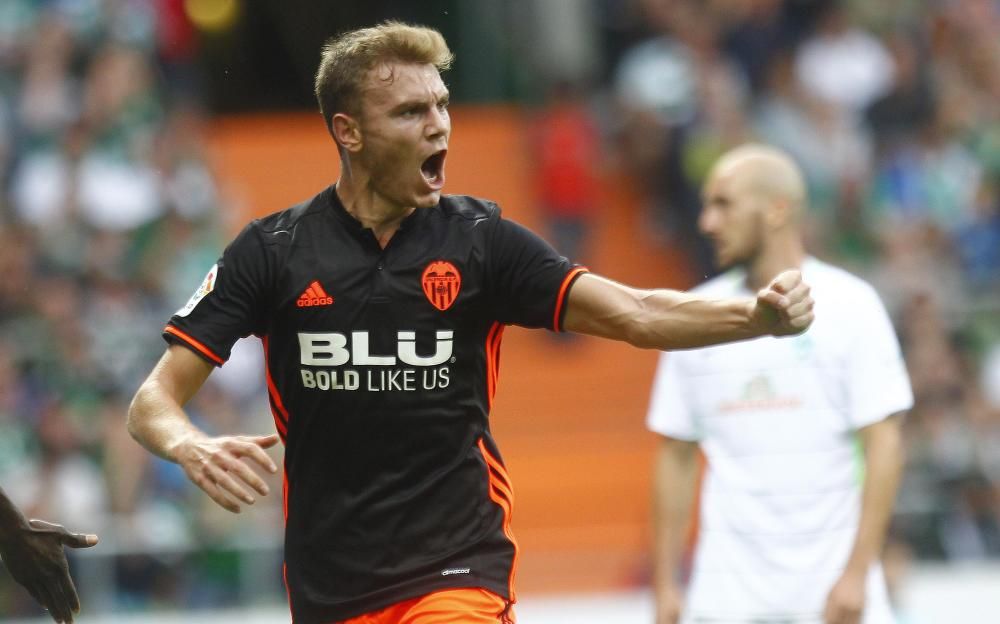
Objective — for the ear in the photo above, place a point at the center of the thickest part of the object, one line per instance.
(346, 132)
(777, 213)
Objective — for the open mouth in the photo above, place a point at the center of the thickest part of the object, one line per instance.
(433, 168)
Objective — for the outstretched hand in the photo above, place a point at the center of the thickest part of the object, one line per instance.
(219, 467)
(785, 306)
(34, 557)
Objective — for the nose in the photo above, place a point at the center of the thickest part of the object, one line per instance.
(707, 222)
(439, 123)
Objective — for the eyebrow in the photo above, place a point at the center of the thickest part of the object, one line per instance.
(444, 98)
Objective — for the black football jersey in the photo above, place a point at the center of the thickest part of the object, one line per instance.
(382, 365)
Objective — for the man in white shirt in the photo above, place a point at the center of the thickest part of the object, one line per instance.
(801, 436)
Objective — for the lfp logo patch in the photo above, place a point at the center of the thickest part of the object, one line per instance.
(441, 282)
(207, 286)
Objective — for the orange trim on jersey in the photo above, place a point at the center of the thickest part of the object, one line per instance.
(560, 300)
(284, 492)
(284, 566)
(278, 410)
(493, 339)
(502, 494)
(170, 329)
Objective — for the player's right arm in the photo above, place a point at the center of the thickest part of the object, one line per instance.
(218, 465)
(673, 498)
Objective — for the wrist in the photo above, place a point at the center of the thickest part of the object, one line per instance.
(177, 448)
(13, 524)
(855, 570)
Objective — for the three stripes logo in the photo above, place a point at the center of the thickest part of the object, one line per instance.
(441, 282)
(314, 295)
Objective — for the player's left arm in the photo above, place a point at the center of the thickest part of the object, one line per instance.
(669, 319)
(883, 449)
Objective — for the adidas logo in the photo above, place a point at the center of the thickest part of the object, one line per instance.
(314, 295)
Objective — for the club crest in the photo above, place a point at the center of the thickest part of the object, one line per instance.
(441, 282)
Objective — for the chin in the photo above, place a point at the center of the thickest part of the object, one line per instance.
(428, 200)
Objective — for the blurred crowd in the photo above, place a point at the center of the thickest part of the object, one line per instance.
(110, 213)
(893, 110)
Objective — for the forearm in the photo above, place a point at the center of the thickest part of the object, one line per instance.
(658, 319)
(674, 484)
(883, 470)
(156, 417)
(158, 422)
(677, 320)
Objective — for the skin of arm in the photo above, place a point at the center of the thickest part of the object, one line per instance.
(32, 550)
(673, 499)
(884, 455)
(157, 420)
(669, 319)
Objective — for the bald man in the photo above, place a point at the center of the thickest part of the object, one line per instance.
(801, 437)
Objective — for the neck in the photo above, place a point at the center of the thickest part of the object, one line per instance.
(777, 255)
(371, 209)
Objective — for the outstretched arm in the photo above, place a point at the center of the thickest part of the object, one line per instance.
(33, 553)
(669, 319)
(883, 470)
(156, 419)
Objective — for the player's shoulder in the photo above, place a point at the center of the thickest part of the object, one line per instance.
(828, 279)
(467, 208)
(278, 229)
(290, 218)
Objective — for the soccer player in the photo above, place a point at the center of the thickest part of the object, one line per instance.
(381, 304)
(801, 436)
(32, 550)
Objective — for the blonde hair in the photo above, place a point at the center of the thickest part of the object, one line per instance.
(347, 58)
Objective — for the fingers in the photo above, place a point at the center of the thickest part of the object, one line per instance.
(218, 468)
(786, 281)
(222, 478)
(207, 485)
(79, 540)
(255, 451)
(73, 540)
(48, 527)
(266, 441)
(791, 299)
(64, 603)
(69, 592)
(773, 298)
(50, 598)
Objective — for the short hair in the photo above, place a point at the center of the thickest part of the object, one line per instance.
(347, 58)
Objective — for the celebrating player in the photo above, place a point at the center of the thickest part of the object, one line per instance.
(788, 531)
(381, 304)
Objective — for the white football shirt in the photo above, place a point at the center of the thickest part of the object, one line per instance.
(777, 419)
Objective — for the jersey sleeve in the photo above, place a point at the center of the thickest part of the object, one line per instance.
(529, 280)
(877, 382)
(230, 303)
(670, 410)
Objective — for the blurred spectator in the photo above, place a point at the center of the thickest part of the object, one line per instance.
(672, 85)
(841, 64)
(567, 151)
